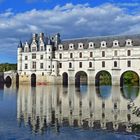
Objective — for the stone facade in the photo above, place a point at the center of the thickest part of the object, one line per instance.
(50, 57)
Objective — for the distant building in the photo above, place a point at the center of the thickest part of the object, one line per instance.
(52, 60)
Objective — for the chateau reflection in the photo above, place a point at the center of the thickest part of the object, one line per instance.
(46, 108)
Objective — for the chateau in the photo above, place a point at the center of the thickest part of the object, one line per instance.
(50, 60)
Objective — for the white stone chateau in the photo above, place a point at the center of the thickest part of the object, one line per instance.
(50, 60)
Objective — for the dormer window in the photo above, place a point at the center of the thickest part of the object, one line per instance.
(103, 44)
(26, 48)
(80, 45)
(41, 48)
(129, 42)
(33, 49)
(71, 46)
(91, 45)
(60, 47)
(115, 43)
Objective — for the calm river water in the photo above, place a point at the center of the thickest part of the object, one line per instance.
(69, 113)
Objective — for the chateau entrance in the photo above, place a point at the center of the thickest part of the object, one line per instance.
(65, 79)
(33, 80)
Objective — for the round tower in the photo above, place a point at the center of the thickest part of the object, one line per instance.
(19, 58)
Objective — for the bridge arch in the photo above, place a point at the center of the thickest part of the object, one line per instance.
(81, 78)
(129, 77)
(65, 78)
(33, 79)
(103, 77)
(8, 81)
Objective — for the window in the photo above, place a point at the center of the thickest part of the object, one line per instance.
(49, 66)
(71, 55)
(53, 66)
(80, 55)
(33, 49)
(103, 53)
(128, 52)
(41, 56)
(90, 64)
(70, 65)
(91, 54)
(42, 73)
(80, 64)
(128, 63)
(60, 65)
(115, 63)
(26, 57)
(115, 53)
(34, 65)
(60, 56)
(41, 65)
(26, 66)
(41, 48)
(33, 56)
(103, 64)
(26, 49)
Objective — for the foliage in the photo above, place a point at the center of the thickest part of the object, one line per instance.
(105, 78)
(6, 67)
(130, 78)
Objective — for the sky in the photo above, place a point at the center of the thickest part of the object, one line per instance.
(71, 18)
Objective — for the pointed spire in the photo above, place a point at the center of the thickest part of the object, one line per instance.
(49, 41)
(20, 44)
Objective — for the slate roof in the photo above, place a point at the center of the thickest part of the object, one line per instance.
(97, 40)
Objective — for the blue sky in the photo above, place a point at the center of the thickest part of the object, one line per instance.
(75, 18)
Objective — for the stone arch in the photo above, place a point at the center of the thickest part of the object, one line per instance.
(103, 78)
(33, 80)
(8, 81)
(65, 79)
(130, 78)
(81, 78)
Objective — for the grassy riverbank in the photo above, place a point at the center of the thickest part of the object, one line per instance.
(6, 67)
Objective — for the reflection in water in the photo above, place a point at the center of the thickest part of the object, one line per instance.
(45, 108)
(103, 92)
(130, 92)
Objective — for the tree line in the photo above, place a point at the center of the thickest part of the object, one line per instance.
(7, 67)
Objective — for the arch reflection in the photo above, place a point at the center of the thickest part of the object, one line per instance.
(103, 92)
(130, 92)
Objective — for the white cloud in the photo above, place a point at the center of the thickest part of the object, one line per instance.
(70, 20)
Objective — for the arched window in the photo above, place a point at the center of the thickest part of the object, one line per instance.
(90, 64)
(103, 64)
(80, 55)
(70, 65)
(103, 53)
(115, 63)
(91, 54)
(71, 55)
(80, 64)
(128, 63)
(128, 52)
